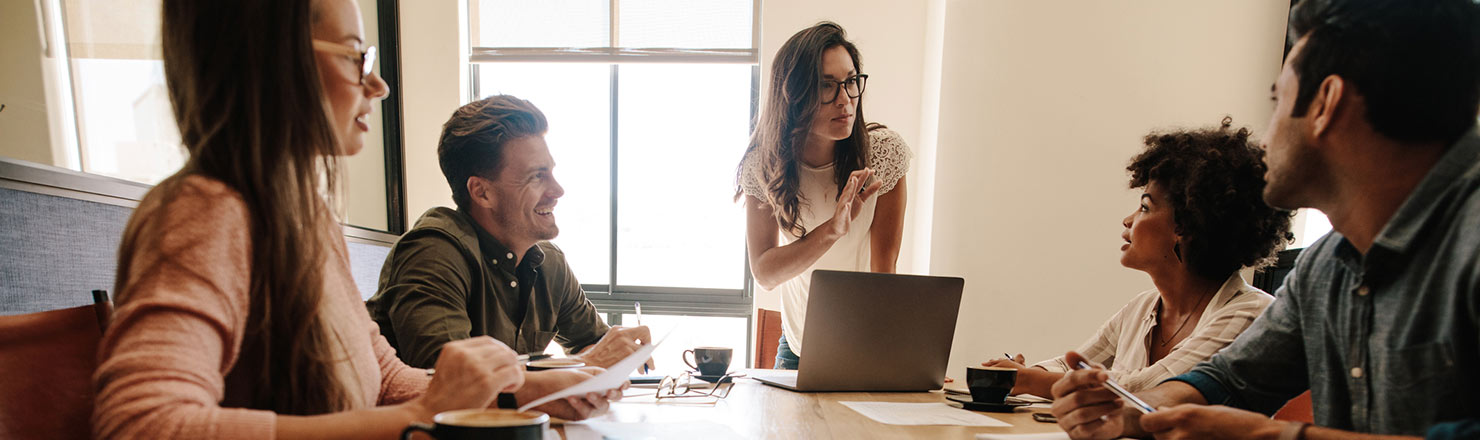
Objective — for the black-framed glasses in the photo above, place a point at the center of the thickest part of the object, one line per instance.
(672, 387)
(853, 84)
(365, 57)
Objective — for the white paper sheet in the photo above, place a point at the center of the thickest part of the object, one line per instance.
(1025, 397)
(612, 378)
(1040, 436)
(935, 413)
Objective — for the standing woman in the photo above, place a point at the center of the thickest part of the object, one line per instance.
(237, 316)
(809, 146)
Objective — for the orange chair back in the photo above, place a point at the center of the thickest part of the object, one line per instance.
(1297, 410)
(767, 336)
(46, 365)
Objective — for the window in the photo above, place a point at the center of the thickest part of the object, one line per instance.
(649, 104)
(1312, 225)
(684, 333)
(687, 332)
(100, 89)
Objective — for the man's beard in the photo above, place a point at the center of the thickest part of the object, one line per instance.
(528, 228)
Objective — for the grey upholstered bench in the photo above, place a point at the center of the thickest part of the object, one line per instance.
(60, 231)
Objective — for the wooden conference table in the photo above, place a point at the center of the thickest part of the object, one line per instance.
(754, 410)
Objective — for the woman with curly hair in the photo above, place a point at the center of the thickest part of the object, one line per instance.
(811, 145)
(1201, 218)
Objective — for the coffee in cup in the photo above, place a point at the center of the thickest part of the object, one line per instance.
(710, 361)
(492, 424)
(990, 384)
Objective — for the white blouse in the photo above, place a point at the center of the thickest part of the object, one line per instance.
(1122, 344)
(890, 159)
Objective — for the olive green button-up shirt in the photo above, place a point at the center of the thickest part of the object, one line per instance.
(447, 279)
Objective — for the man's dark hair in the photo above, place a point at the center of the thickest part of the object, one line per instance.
(1214, 181)
(473, 139)
(1417, 62)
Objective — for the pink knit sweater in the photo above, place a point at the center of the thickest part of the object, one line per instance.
(181, 316)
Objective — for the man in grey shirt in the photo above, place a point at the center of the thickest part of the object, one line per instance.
(1374, 125)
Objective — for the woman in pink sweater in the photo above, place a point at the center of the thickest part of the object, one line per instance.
(237, 316)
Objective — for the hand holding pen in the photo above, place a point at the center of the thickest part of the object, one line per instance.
(1086, 405)
(1135, 402)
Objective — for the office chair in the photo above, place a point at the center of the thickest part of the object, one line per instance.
(46, 366)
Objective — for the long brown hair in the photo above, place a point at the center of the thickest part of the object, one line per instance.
(793, 96)
(244, 84)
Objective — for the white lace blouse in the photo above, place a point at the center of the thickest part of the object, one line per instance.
(890, 159)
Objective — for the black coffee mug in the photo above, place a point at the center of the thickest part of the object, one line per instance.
(990, 384)
(710, 361)
(492, 424)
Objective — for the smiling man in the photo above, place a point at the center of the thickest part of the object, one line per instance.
(486, 268)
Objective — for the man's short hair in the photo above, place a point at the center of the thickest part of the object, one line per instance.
(473, 139)
(1415, 61)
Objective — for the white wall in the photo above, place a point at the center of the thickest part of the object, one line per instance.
(23, 123)
(1043, 104)
(434, 84)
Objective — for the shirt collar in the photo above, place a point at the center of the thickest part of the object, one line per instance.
(1460, 164)
(499, 255)
(1230, 288)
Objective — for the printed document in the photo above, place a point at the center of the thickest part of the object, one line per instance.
(935, 413)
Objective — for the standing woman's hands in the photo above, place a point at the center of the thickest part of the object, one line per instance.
(850, 203)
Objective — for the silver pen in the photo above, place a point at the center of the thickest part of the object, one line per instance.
(638, 305)
(1136, 402)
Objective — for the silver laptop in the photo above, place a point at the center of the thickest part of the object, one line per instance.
(874, 332)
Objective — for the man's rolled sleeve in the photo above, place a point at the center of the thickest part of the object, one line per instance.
(1212, 391)
(1457, 430)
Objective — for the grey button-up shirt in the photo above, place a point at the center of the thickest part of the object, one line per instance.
(1388, 342)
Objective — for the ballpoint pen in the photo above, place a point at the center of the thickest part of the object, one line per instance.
(1139, 404)
(638, 306)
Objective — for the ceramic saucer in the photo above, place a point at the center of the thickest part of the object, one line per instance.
(967, 403)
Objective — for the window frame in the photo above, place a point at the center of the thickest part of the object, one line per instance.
(612, 298)
(389, 31)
